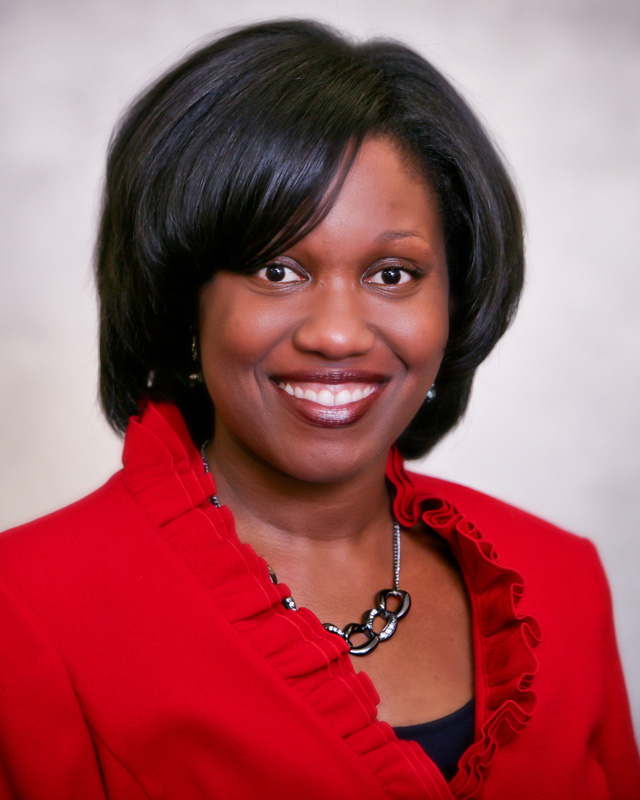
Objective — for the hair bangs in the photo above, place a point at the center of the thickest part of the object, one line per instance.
(255, 162)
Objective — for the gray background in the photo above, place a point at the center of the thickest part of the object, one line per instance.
(554, 420)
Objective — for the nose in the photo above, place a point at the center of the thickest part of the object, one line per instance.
(335, 323)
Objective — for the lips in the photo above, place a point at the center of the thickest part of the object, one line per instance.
(332, 398)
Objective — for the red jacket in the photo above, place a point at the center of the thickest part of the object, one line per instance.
(145, 653)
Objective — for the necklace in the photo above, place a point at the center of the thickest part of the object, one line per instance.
(365, 628)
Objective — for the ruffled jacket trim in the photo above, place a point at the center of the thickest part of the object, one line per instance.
(164, 474)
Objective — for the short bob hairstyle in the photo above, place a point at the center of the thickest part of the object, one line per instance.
(226, 161)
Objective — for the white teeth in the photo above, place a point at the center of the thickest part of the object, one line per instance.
(329, 397)
(325, 398)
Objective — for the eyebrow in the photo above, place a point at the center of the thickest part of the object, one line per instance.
(390, 236)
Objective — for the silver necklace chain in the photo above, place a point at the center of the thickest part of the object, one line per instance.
(372, 638)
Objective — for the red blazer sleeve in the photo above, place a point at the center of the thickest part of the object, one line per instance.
(46, 750)
(615, 748)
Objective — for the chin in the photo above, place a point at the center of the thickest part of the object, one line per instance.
(329, 463)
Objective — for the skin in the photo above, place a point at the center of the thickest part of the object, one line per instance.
(309, 494)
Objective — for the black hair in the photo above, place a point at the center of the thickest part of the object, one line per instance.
(227, 160)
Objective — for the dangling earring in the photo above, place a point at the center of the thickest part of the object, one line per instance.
(431, 394)
(196, 376)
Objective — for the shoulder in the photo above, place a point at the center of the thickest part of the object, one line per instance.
(65, 522)
(555, 577)
(521, 539)
(81, 538)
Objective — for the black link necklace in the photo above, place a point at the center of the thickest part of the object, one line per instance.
(365, 628)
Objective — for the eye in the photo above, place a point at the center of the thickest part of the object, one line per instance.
(391, 276)
(278, 273)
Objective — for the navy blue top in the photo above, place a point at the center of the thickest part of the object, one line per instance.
(444, 740)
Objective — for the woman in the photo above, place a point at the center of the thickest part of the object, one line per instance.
(307, 248)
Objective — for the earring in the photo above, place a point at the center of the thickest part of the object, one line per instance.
(196, 376)
(431, 394)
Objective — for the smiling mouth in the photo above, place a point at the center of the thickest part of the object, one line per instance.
(333, 399)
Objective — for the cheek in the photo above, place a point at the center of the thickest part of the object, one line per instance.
(237, 333)
(225, 336)
(421, 336)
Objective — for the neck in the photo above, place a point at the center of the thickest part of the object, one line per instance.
(275, 511)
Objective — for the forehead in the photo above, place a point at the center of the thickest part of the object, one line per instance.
(384, 198)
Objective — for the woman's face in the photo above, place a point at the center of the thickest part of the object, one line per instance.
(317, 363)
